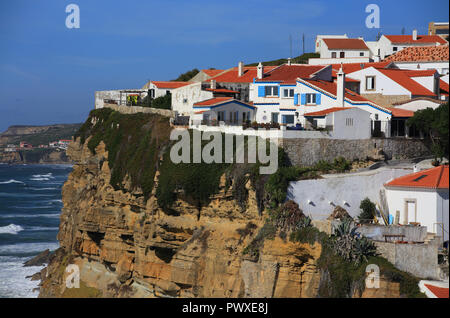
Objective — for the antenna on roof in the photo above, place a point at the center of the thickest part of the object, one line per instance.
(303, 40)
(290, 45)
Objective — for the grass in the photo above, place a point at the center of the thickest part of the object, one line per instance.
(83, 292)
(51, 133)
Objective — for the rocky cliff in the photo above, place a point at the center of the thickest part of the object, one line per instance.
(126, 245)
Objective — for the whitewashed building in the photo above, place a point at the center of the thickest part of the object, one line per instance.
(421, 197)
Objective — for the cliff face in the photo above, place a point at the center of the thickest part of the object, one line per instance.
(35, 156)
(127, 247)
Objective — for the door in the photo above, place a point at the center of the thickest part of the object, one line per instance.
(342, 55)
(409, 214)
(274, 117)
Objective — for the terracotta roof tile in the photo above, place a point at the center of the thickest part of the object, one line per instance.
(443, 86)
(212, 72)
(353, 67)
(421, 54)
(169, 84)
(213, 101)
(439, 292)
(345, 44)
(289, 73)
(408, 39)
(232, 76)
(434, 178)
(399, 112)
(326, 111)
(221, 90)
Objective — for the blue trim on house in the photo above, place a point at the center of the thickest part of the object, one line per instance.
(288, 85)
(351, 103)
(225, 103)
(288, 109)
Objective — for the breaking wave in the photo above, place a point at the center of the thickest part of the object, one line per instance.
(10, 229)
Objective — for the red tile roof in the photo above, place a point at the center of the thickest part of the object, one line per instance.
(443, 86)
(434, 178)
(232, 76)
(212, 73)
(408, 39)
(439, 292)
(221, 90)
(213, 101)
(169, 84)
(326, 111)
(289, 73)
(347, 78)
(398, 112)
(353, 67)
(421, 54)
(401, 78)
(345, 44)
(420, 73)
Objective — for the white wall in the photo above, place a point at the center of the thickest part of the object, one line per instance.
(360, 128)
(441, 67)
(351, 188)
(431, 208)
(327, 61)
(183, 98)
(429, 82)
(383, 84)
(229, 108)
(418, 104)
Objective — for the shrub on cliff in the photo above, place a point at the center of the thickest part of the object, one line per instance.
(368, 210)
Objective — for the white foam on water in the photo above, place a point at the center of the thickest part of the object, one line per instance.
(12, 277)
(20, 248)
(41, 189)
(40, 179)
(11, 181)
(47, 175)
(41, 228)
(10, 229)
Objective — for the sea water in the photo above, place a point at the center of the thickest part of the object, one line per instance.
(30, 205)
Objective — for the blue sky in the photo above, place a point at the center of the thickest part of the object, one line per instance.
(48, 73)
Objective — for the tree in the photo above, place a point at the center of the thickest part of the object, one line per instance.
(187, 76)
(433, 123)
(367, 211)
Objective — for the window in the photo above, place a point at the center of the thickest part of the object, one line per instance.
(271, 90)
(245, 116)
(395, 49)
(342, 55)
(167, 92)
(288, 92)
(221, 116)
(370, 83)
(333, 55)
(311, 99)
(361, 53)
(288, 119)
(152, 93)
(184, 100)
(274, 117)
(348, 121)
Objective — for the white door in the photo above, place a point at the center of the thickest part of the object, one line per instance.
(410, 212)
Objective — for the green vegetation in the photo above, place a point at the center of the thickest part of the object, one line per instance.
(302, 59)
(185, 77)
(434, 125)
(83, 292)
(133, 143)
(162, 102)
(368, 211)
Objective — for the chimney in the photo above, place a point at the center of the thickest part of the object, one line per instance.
(240, 69)
(414, 35)
(260, 71)
(340, 93)
(289, 61)
(213, 84)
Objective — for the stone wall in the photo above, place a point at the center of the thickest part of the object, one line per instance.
(137, 109)
(421, 260)
(307, 152)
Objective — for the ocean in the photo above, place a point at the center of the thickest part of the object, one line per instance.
(30, 205)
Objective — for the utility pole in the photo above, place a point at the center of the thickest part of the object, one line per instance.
(303, 40)
(403, 31)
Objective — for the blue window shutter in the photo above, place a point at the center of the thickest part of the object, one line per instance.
(296, 99)
(318, 96)
(283, 119)
(261, 91)
(303, 99)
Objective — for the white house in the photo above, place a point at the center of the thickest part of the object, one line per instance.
(288, 102)
(390, 44)
(319, 42)
(421, 197)
(343, 122)
(341, 50)
(222, 110)
(161, 88)
(389, 86)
